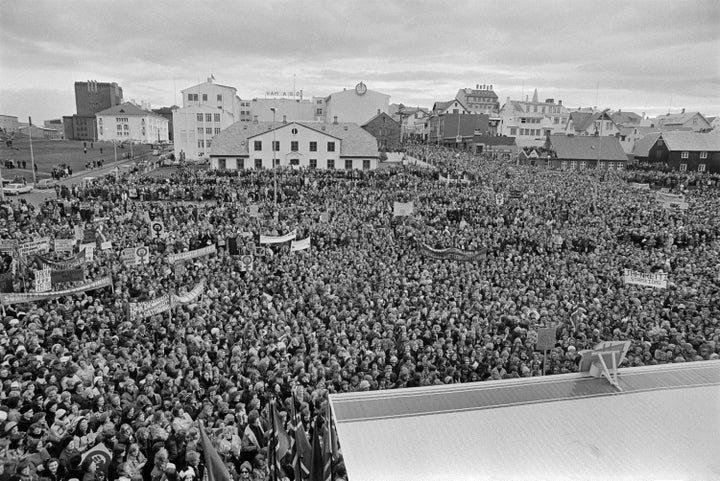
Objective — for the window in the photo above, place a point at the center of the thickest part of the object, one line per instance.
(276, 145)
(257, 145)
(192, 97)
(703, 155)
(204, 97)
(331, 146)
(258, 164)
(582, 165)
(683, 167)
(366, 164)
(685, 154)
(513, 130)
(294, 145)
(199, 117)
(222, 164)
(573, 165)
(313, 164)
(201, 144)
(240, 164)
(200, 130)
(318, 111)
(208, 130)
(208, 117)
(294, 131)
(313, 146)
(217, 130)
(216, 117)
(207, 143)
(294, 161)
(331, 164)
(219, 97)
(701, 167)
(277, 162)
(348, 164)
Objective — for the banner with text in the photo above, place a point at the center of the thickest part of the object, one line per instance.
(69, 275)
(74, 261)
(37, 246)
(269, 239)
(19, 298)
(42, 280)
(190, 296)
(142, 310)
(64, 245)
(658, 280)
(183, 256)
(300, 245)
(451, 253)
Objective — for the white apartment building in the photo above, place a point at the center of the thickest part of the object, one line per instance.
(207, 109)
(531, 121)
(128, 122)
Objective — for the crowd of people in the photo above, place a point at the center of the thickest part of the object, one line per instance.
(364, 308)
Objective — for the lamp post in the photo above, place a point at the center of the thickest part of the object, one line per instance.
(273, 160)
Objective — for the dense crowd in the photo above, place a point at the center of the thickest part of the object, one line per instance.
(362, 309)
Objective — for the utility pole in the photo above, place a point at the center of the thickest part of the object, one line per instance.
(32, 155)
(273, 160)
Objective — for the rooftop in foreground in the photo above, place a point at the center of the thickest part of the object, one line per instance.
(663, 424)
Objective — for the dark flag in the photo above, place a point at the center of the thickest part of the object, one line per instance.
(214, 467)
(299, 444)
(317, 468)
(232, 246)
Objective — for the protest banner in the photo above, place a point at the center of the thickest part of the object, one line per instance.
(42, 280)
(190, 296)
(204, 251)
(106, 245)
(64, 245)
(300, 245)
(636, 185)
(268, 239)
(69, 263)
(499, 199)
(546, 338)
(37, 246)
(142, 310)
(89, 250)
(157, 229)
(133, 256)
(7, 245)
(658, 279)
(253, 210)
(79, 233)
(451, 253)
(69, 275)
(403, 209)
(19, 298)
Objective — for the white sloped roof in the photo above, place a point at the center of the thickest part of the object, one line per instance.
(662, 425)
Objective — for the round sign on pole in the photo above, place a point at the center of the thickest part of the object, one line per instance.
(143, 254)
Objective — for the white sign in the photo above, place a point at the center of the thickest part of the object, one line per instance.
(38, 246)
(300, 245)
(246, 263)
(402, 209)
(89, 251)
(157, 229)
(64, 245)
(499, 199)
(42, 280)
(658, 280)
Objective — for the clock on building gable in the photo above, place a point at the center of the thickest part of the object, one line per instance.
(360, 88)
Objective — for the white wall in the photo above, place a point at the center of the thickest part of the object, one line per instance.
(146, 129)
(348, 106)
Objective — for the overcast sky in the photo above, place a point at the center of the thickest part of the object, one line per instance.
(644, 56)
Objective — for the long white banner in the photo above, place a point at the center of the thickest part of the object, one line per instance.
(141, 310)
(204, 251)
(658, 280)
(190, 296)
(300, 245)
(19, 298)
(269, 239)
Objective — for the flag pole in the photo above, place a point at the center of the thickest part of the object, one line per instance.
(32, 156)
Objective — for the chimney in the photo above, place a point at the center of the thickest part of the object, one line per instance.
(254, 119)
(284, 119)
(507, 101)
(643, 115)
(490, 86)
(335, 119)
(477, 86)
(559, 102)
(378, 112)
(683, 111)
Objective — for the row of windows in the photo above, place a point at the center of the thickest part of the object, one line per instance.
(686, 155)
(120, 119)
(208, 117)
(530, 120)
(514, 131)
(312, 164)
(203, 143)
(294, 146)
(209, 130)
(581, 165)
(194, 97)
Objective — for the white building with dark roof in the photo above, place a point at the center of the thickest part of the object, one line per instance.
(693, 120)
(310, 145)
(128, 122)
(531, 121)
(480, 100)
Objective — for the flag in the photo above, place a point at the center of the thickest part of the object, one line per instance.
(232, 246)
(102, 457)
(279, 444)
(214, 467)
(299, 445)
(330, 448)
(316, 459)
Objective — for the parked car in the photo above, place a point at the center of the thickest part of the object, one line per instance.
(17, 189)
(46, 184)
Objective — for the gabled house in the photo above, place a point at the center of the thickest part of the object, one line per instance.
(568, 152)
(625, 118)
(693, 120)
(129, 122)
(310, 145)
(454, 106)
(385, 130)
(681, 151)
(591, 123)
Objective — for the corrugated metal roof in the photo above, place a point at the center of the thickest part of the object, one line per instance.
(588, 148)
(661, 425)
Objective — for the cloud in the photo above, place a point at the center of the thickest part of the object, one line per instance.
(418, 52)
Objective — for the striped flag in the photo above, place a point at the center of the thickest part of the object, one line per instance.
(299, 445)
(330, 448)
(214, 467)
(317, 468)
(279, 444)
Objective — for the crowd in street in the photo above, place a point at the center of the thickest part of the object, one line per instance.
(362, 309)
